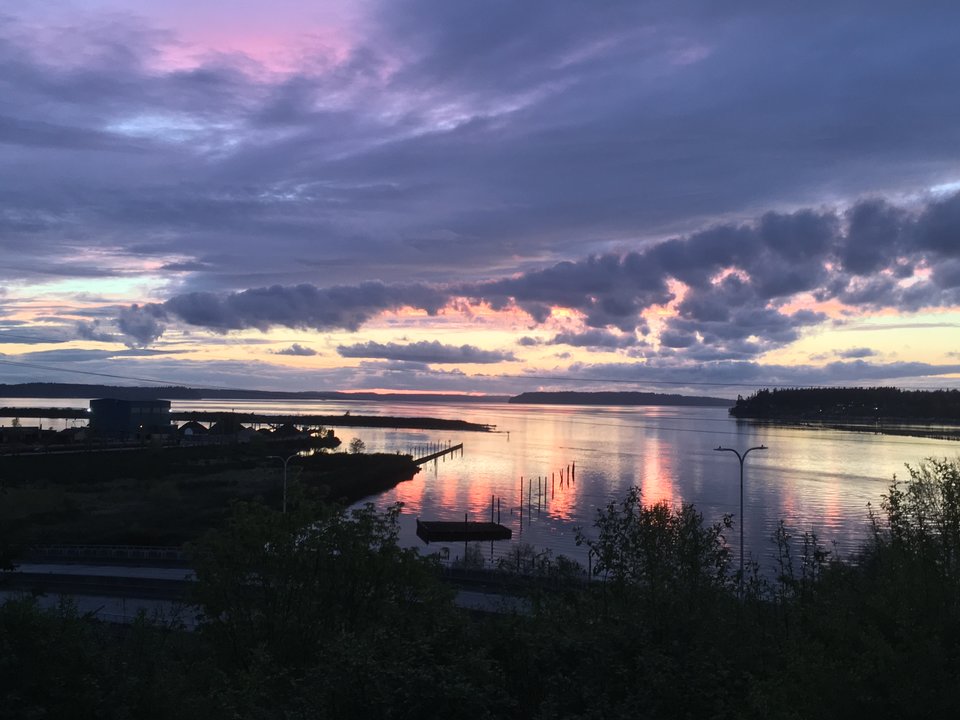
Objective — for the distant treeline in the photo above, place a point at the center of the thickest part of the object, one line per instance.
(176, 392)
(614, 398)
(85, 390)
(838, 404)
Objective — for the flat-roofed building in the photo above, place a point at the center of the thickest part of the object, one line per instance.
(128, 419)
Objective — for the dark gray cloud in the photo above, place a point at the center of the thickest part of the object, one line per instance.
(853, 353)
(300, 306)
(296, 349)
(432, 353)
(141, 325)
(17, 333)
(185, 266)
(874, 237)
(594, 338)
(93, 330)
(739, 277)
(468, 143)
(74, 355)
(936, 229)
(609, 290)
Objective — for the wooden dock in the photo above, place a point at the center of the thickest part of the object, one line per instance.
(439, 454)
(440, 531)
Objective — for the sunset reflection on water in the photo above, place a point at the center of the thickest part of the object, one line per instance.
(812, 480)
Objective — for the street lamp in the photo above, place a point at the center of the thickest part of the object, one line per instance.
(741, 458)
(284, 460)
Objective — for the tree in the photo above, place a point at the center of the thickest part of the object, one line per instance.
(320, 613)
(281, 584)
(658, 550)
(357, 446)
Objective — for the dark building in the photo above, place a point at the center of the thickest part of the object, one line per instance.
(129, 419)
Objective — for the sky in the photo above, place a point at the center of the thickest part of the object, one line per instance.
(496, 197)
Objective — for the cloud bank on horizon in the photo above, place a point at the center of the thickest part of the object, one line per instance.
(426, 195)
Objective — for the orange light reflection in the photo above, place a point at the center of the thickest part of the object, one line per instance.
(657, 481)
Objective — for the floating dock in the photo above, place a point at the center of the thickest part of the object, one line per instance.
(438, 531)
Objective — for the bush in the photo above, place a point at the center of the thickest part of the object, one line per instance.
(656, 549)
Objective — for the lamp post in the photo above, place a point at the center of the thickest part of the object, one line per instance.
(741, 458)
(284, 460)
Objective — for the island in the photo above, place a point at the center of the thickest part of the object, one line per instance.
(890, 410)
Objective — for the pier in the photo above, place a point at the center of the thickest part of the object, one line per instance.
(439, 454)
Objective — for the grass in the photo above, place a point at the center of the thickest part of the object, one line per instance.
(168, 496)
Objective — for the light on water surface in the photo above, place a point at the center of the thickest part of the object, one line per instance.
(815, 480)
(819, 480)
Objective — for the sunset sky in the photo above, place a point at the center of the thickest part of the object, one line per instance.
(687, 196)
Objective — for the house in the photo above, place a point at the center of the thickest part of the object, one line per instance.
(192, 429)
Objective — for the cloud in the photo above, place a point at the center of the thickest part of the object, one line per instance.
(751, 374)
(91, 331)
(72, 355)
(301, 306)
(737, 278)
(19, 334)
(595, 338)
(598, 161)
(296, 349)
(433, 353)
(852, 353)
(185, 266)
(141, 325)
(419, 153)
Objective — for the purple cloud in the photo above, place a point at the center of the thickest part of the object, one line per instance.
(431, 353)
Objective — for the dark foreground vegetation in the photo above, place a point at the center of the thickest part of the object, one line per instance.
(318, 614)
(170, 495)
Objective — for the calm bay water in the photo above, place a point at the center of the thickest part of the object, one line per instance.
(818, 480)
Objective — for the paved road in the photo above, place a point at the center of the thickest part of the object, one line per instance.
(120, 593)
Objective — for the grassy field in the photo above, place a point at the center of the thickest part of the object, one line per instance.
(167, 496)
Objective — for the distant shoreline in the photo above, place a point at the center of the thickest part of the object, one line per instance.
(879, 410)
(354, 421)
(627, 399)
(176, 392)
(933, 430)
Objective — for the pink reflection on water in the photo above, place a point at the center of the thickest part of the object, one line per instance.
(656, 477)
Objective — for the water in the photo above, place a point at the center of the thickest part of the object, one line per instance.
(819, 480)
